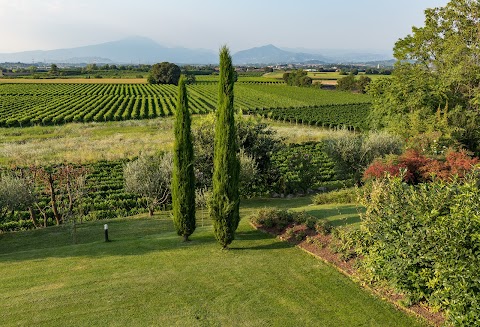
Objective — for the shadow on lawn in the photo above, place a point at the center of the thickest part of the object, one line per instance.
(255, 235)
(124, 244)
(346, 215)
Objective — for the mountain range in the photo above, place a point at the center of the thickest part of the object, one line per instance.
(137, 50)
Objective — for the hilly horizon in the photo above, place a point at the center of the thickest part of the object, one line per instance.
(143, 50)
(270, 54)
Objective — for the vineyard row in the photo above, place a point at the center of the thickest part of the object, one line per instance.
(46, 104)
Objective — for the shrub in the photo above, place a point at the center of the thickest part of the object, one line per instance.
(270, 218)
(424, 240)
(323, 227)
(346, 242)
(276, 218)
(354, 152)
(311, 222)
(416, 168)
(302, 218)
(339, 196)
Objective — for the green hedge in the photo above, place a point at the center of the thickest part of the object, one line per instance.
(425, 241)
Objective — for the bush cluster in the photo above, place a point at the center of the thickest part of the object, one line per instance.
(350, 83)
(281, 219)
(354, 152)
(425, 241)
(416, 168)
(297, 78)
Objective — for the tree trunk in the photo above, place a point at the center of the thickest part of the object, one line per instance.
(33, 217)
(53, 199)
(150, 212)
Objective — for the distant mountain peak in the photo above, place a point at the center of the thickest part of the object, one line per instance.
(141, 49)
(270, 54)
(132, 49)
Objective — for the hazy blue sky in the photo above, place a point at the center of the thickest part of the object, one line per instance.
(314, 24)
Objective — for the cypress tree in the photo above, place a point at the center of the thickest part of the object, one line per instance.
(224, 206)
(183, 180)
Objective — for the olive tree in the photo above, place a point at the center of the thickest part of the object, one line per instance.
(15, 194)
(149, 177)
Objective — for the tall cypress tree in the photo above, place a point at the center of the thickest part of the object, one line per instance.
(224, 206)
(183, 181)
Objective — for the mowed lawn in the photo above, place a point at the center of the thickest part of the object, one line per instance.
(147, 277)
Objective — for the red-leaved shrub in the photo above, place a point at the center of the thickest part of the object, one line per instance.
(416, 168)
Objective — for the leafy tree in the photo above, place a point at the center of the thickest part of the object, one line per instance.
(256, 139)
(164, 73)
(350, 83)
(91, 67)
(53, 70)
(224, 206)
(15, 194)
(437, 78)
(183, 182)
(354, 152)
(362, 83)
(150, 178)
(64, 185)
(297, 78)
(347, 83)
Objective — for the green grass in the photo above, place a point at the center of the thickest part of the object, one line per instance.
(337, 214)
(77, 142)
(147, 276)
(87, 142)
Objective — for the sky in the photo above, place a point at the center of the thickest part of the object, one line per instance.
(241, 24)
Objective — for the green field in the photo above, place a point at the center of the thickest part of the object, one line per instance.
(147, 276)
(351, 116)
(53, 104)
(87, 142)
(240, 80)
(324, 77)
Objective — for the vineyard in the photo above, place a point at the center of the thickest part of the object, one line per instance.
(351, 116)
(53, 104)
(105, 197)
(295, 168)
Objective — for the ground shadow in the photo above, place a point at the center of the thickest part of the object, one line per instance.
(122, 242)
(255, 235)
(346, 215)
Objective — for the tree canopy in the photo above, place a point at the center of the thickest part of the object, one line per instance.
(434, 89)
(297, 78)
(164, 73)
